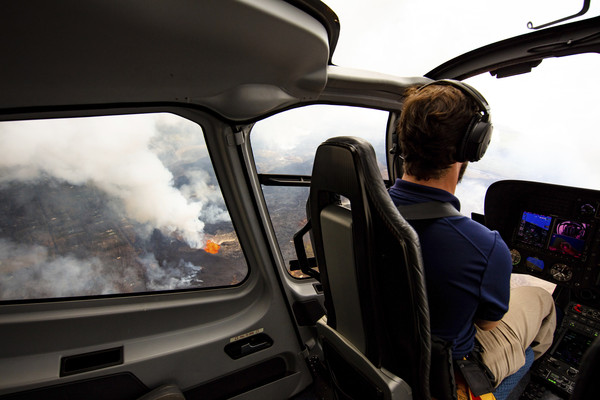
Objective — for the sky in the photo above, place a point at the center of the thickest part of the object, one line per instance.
(544, 122)
(411, 37)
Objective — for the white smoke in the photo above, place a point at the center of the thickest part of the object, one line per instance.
(143, 173)
(111, 153)
(201, 192)
(169, 277)
(29, 271)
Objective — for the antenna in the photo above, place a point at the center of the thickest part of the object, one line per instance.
(586, 7)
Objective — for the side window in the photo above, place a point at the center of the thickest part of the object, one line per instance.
(111, 205)
(285, 144)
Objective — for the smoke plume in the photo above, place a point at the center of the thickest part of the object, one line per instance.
(114, 155)
(107, 205)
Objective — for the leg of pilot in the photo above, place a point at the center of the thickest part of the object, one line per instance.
(530, 321)
(531, 315)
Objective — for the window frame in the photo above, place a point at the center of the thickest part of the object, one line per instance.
(302, 180)
(212, 129)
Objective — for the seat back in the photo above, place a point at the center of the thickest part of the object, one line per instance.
(371, 269)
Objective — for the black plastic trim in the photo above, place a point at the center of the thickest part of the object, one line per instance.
(79, 363)
(284, 180)
(563, 40)
(122, 386)
(240, 382)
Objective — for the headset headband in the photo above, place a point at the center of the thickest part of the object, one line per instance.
(478, 135)
(470, 91)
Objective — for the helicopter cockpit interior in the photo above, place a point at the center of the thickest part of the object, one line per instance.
(155, 165)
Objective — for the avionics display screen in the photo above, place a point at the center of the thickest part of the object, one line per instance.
(533, 229)
(568, 237)
(572, 347)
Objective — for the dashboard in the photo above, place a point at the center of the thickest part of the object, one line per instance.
(552, 231)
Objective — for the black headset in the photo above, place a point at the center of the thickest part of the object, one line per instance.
(479, 131)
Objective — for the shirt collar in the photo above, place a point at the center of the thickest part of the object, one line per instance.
(420, 193)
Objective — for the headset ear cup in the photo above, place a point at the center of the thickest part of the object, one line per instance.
(475, 141)
(486, 138)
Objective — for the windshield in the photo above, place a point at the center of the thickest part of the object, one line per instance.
(544, 121)
(545, 128)
(411, 37)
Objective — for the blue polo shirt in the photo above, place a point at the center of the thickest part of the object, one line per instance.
(467, 268)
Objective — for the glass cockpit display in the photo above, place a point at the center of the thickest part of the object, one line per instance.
(552, 231)
(556, 235)
(568, 237)
(533, 229)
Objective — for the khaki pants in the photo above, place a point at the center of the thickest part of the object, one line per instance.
(530, 321)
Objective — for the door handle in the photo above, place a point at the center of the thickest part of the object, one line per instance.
(249, 345)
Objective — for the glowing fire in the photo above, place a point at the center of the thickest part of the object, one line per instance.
(211, 247)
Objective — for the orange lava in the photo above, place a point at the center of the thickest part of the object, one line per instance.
(211, 247)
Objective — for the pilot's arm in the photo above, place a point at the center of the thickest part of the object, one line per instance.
(495, 287)
(486, 325)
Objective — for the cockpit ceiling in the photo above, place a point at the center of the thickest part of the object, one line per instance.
(239, 58)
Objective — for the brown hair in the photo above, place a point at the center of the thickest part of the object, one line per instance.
(432, 124)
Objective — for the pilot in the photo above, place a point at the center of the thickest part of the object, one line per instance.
(443, 126)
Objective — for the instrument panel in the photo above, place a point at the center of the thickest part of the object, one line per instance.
(552, 231)
(559, 367)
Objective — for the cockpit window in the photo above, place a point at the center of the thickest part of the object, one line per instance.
(286, 143)
(412, 37)
(545, 128)
(111, 205)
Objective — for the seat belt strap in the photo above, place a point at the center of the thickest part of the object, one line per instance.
(428, 210)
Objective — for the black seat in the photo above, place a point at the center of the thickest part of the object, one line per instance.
(376, 335)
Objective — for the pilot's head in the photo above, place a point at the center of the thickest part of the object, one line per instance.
(437, 123)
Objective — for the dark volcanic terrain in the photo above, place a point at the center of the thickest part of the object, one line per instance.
(77, 236)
